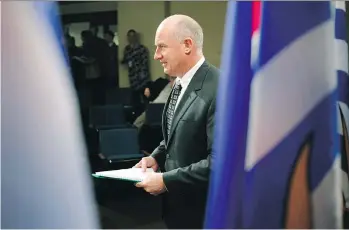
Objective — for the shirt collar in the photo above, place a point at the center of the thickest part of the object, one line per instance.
(185, 80)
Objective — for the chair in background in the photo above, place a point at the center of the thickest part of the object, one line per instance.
(107, 116)
(119, 144)
(123, 96)
(150, 135)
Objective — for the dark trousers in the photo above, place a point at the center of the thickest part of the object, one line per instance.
(183, 223)
(181, 214)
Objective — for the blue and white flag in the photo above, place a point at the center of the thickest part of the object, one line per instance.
(46, 181)
(290, 173)
(341, 50)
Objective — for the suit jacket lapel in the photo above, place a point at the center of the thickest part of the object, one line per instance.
(183, 106)
(188, 97)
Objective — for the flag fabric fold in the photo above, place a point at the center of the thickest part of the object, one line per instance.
(224, 205)
(46, 180)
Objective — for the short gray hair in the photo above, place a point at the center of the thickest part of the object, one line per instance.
(188, 27)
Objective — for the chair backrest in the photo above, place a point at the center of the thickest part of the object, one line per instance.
(120, 143)
(107, 115)
(153, 113)
(125, 95)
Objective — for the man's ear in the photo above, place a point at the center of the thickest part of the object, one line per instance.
(188, 43)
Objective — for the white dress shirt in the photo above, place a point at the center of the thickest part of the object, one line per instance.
(185, 80)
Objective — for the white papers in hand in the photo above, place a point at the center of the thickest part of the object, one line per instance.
(131, 174)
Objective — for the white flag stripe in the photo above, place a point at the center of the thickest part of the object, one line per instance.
(325, 197)
(273, 99)
(341, 48)
(256, 38)
(340, 5)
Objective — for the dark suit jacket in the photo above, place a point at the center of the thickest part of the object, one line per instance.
(186, 154)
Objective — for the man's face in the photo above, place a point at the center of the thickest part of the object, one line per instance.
(169, 51)
(132, 37)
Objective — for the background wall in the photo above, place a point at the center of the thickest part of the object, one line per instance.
(211, 17)
(144, 17)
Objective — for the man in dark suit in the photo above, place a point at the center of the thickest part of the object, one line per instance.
(185, 155)
(112, 73)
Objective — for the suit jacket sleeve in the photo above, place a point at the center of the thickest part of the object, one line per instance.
(196, 175)
(159, 154)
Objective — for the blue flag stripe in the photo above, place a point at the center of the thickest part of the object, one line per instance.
(340, 29)
(283, 27)
(231, 120)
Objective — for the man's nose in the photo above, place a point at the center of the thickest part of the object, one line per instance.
(157, 56)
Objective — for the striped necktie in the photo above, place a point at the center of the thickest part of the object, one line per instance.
(172, 105)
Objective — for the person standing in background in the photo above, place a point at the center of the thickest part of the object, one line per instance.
(95, 50)
(136, 58)
(112, 78)
(67, 35)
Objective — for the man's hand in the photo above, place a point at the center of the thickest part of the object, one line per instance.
(153, 183)
(147, 162)
(147, 92)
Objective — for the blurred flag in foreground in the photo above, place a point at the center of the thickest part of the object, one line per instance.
(343, 99)
(45, 174)
(279, 167)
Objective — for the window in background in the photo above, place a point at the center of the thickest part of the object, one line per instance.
(115, 30)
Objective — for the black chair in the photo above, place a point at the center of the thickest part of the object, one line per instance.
(123, 96)
(153, 114)
(150, 135)
(120, 144)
